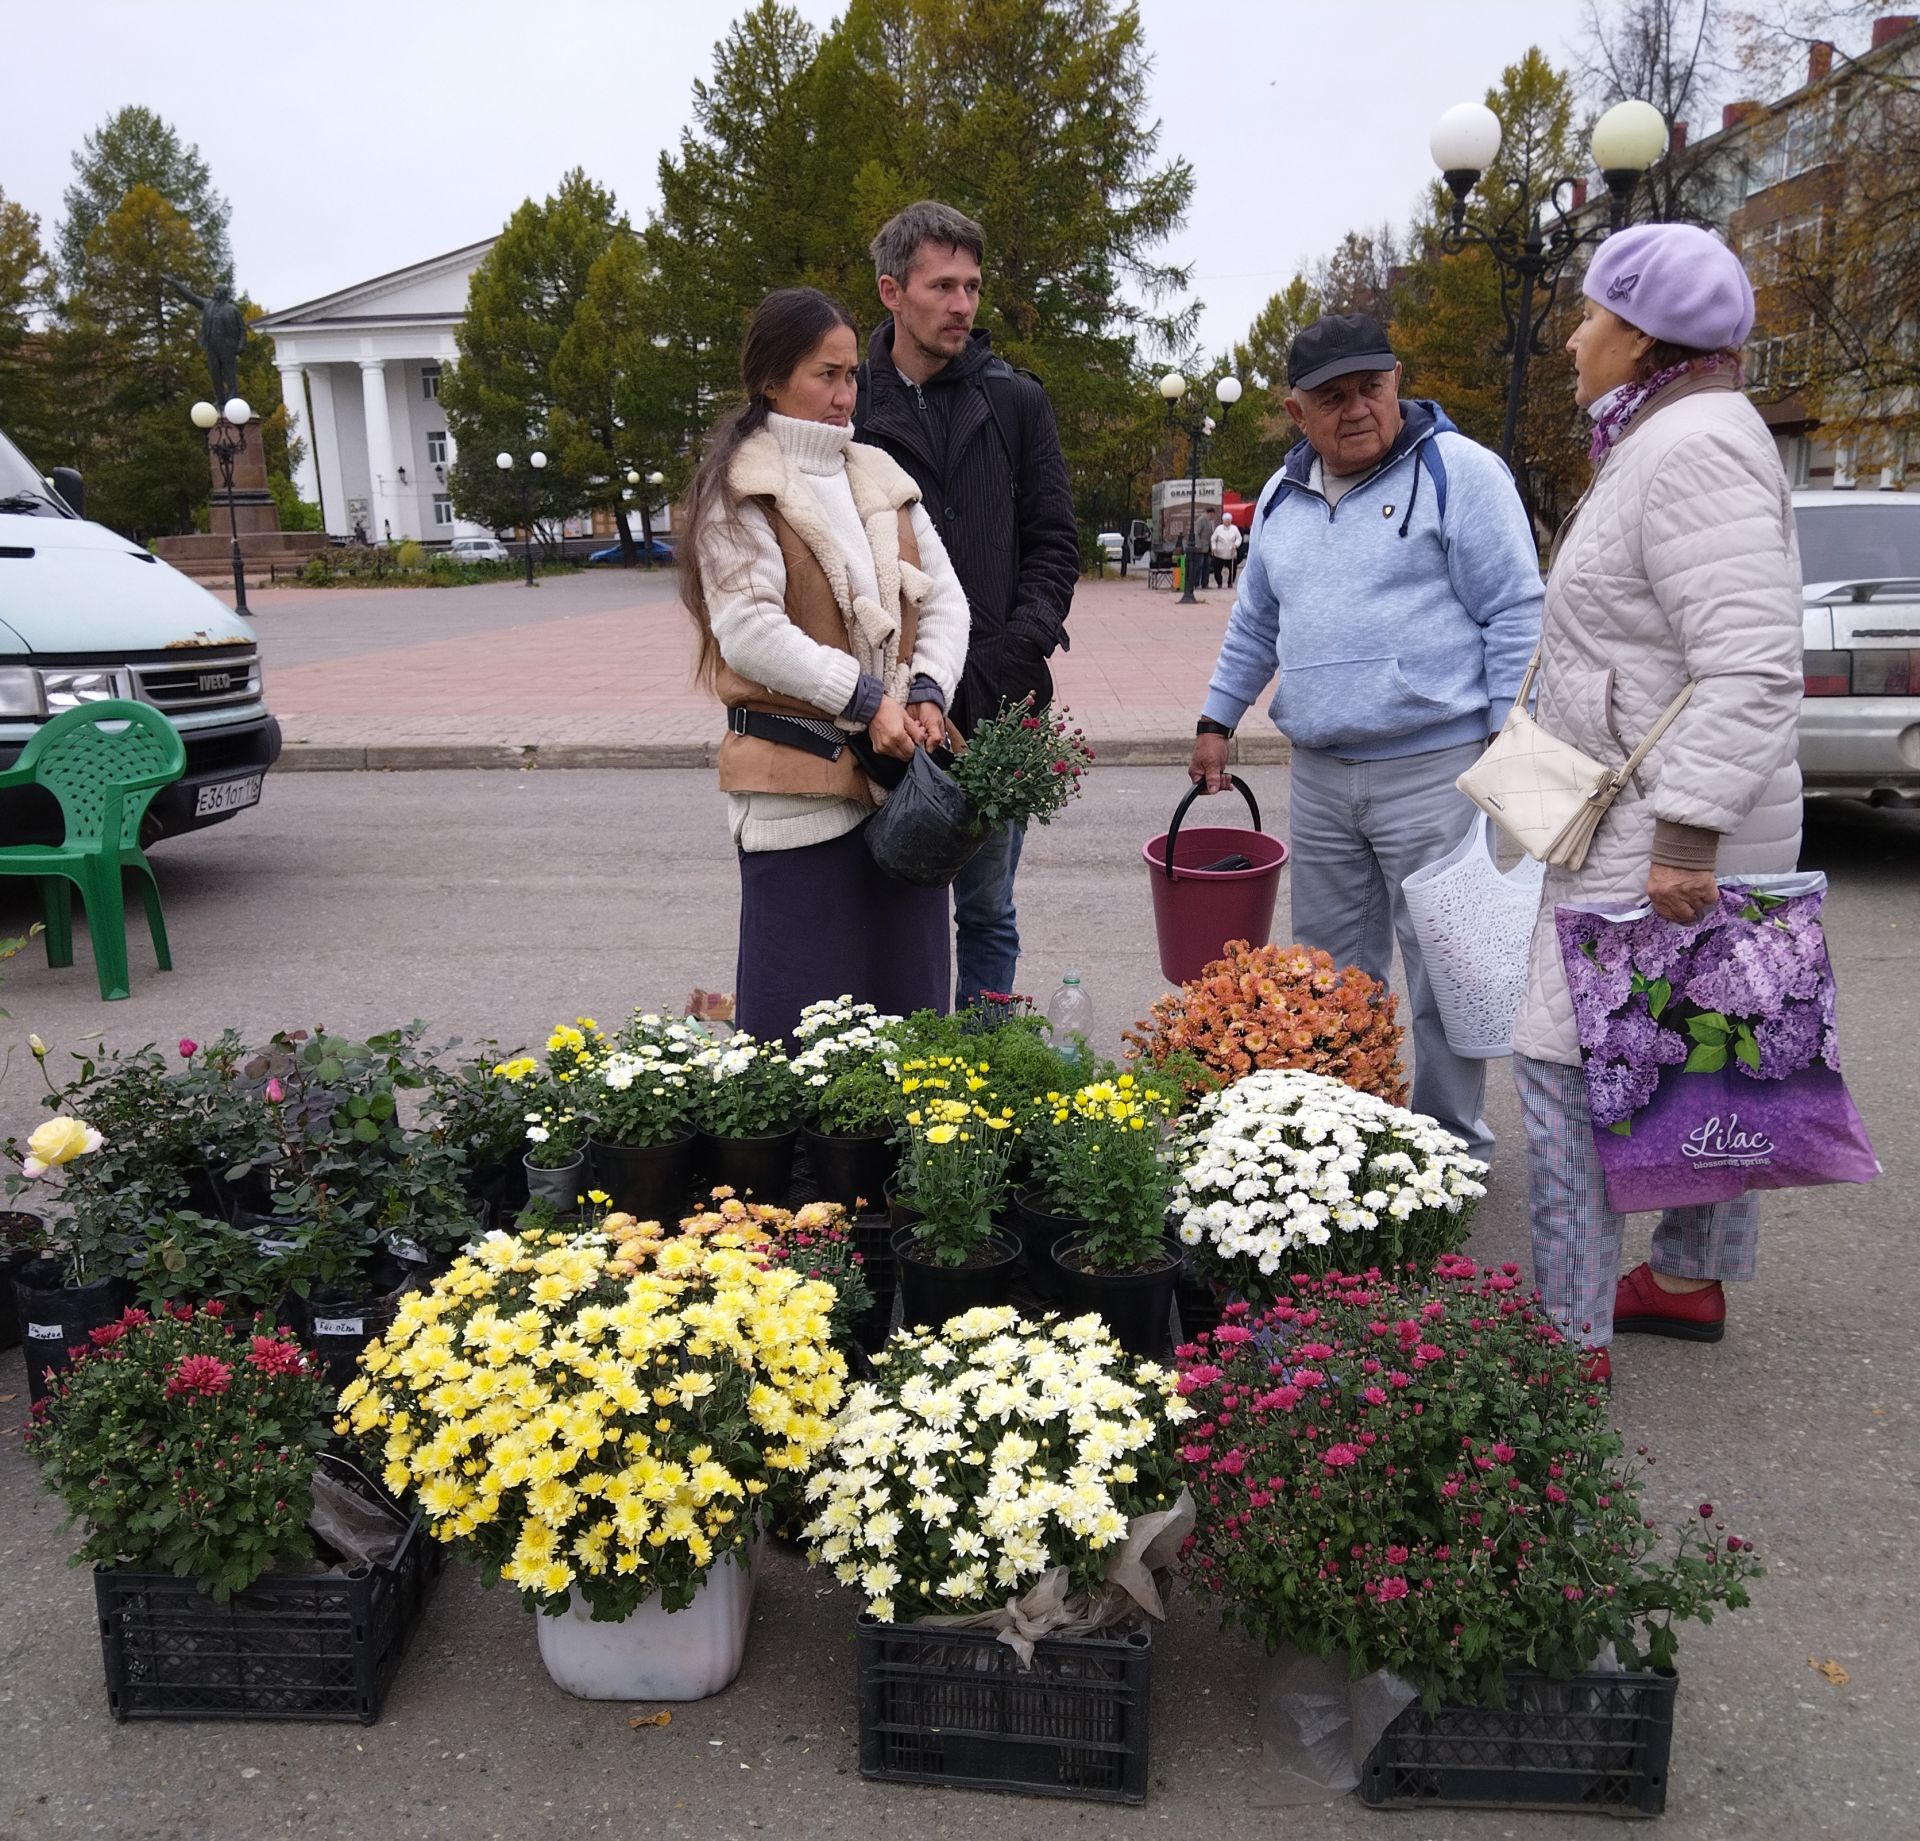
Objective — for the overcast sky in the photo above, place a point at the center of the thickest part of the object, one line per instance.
(357, 136)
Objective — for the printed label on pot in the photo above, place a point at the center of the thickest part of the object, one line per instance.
(45, 1332)
(339, 1326)
(410, 1250)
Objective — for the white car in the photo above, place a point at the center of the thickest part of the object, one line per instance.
(1112, 543)
(478, 550)
(1860, 721)
(84, 615)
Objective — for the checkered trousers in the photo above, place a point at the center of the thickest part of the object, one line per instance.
(1577, 1237)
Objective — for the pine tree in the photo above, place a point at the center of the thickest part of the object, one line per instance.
(129, 366)
(135, 147)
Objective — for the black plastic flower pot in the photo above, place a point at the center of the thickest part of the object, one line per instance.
(498, 1192)
(651, 1182)
(1137, 1306)
(56, 1318)
(848, 1170)
(338, 1321)
(930, 1294)
(20, 1239)
(756, 1169)
(1039, 1230)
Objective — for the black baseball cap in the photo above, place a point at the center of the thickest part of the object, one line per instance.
(1335, 345)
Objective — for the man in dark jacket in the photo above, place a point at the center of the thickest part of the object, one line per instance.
(979, 439)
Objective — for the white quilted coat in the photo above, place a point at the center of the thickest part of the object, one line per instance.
(1679, 563)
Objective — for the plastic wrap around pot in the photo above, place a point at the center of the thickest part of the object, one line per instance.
(926, 833)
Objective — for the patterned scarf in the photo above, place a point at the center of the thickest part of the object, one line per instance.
(1614, 411)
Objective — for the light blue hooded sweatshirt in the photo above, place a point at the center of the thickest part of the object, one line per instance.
(1402, 619)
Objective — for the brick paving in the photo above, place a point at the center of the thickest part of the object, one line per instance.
(595, 670)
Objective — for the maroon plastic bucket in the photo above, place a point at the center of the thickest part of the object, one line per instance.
(1198, 908)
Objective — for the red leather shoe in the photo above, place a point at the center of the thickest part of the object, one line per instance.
(1596, 1367)
(1641, 1308)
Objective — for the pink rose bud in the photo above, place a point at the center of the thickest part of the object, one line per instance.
(188, 1048)
(275, 1092)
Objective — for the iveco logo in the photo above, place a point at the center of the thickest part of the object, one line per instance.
(216, 680)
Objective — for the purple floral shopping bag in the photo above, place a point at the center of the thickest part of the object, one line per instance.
(1709, 1049)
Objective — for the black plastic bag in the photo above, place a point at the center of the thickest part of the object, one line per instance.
(926, 833)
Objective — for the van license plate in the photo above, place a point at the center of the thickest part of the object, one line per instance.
(227, 796)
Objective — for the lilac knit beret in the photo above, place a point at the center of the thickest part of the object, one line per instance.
(1675, 282)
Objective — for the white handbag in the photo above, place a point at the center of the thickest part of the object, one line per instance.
(1475, 927)
(1544, 793)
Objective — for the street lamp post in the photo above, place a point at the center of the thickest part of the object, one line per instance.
(536, 460)
(226, 431)
(653, 482)
(1529, 257)
(1197, 428)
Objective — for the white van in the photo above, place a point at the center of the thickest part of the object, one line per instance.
(85, 615)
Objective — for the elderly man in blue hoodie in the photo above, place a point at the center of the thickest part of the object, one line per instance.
(1391, 580)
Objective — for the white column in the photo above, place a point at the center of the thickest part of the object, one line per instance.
(293, 392)
(373, 394)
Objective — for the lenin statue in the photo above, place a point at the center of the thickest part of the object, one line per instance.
(223, 330)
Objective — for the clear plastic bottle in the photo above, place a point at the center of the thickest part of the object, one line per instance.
(1070, 1021)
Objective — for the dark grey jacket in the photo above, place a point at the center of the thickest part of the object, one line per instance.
(979, 439)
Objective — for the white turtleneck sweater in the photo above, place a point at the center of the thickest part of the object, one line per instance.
(746, 581)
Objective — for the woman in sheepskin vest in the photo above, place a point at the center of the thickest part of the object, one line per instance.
(825, 608)
(1678, 566)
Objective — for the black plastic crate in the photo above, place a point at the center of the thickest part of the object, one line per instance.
(1597, 1742)
(955, 1707)
(318, 1646)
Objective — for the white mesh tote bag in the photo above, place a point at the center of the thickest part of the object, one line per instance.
(1474, 925)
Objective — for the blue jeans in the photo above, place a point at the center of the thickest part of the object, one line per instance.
(986, 934)
(1358, 830)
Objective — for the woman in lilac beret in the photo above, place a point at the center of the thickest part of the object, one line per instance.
(1677, 566)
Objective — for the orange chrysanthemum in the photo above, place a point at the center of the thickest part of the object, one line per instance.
(1279, 1007)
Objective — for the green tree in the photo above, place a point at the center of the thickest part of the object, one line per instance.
(129, 365)
(614, 384)
(743, 210)
(134, 147)
(1030, 115)
(502, 395)
(26, 294)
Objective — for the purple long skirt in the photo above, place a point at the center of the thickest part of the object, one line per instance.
(826, 921)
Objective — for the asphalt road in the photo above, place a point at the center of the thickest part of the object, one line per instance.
(491, 904)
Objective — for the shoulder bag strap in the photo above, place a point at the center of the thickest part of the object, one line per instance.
(1639, 754)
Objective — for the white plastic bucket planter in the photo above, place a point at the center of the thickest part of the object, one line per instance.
(1475, 926)
(654, 1654)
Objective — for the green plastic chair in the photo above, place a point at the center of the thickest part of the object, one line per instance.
(103, 762)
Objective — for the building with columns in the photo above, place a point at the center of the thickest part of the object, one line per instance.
(360, 376)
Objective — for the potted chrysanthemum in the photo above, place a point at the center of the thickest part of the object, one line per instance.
(1004, 1497)
(1287, 1172)
(594, 1416)
(746, 1105)
(1416, 1484)
(636, 1092)
(1101, 1177)
(951, 1184)
(851, 1101)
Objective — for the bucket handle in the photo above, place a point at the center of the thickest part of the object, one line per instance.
(1193, 793)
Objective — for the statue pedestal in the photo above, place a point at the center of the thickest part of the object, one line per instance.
(264, 547)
